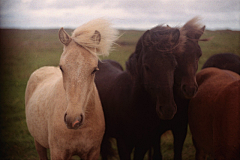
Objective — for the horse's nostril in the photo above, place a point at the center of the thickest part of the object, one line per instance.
(65, 117)
(73, 124)
(78, 122)
(196, 86)
(184, 88)
(81, 118)
(189, 91)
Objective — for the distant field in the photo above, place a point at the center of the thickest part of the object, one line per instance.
(23, 51)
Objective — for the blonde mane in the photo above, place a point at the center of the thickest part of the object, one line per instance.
(108, 35)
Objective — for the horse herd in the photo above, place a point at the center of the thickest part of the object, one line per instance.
(78, 107)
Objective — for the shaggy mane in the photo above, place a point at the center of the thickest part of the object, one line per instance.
(82, 36)
(160, 38)
(192, 27)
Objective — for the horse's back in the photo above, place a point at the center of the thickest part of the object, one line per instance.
(214, 113)
(36, 101)
(108, 72)
(114, 64)
(109, 68)
(228, 61)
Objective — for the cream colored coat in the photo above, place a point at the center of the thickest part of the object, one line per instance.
(46, 104)
(63, 109)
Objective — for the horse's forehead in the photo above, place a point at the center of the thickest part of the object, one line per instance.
(157, 56)
(193, 47)
(78, 55)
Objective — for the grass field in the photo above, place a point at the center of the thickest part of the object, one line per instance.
(23, 51)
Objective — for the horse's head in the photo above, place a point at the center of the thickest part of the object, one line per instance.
(78, 66)
(153, 65)
(78, 63)
(187, 54)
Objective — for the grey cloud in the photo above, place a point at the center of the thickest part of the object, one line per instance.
(136, 14)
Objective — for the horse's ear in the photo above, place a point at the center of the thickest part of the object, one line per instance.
(199, 33)
(64, 37)
(96, 37)
(132, 64)
(175, 36)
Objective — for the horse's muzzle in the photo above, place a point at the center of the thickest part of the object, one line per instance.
(76, 124)
(189, 91)
(166, 112)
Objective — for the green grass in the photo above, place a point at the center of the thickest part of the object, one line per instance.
(23, 51)
(222, 42)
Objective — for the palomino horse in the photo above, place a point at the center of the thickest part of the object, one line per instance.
(132, 99)
(227, 61)
(214, 115)
(185, 87)
(63, 109)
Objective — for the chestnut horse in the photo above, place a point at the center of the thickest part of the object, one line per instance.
(214, 115)
(135, 99)
(63, 109)
(227, 61)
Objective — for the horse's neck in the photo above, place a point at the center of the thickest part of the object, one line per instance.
(177, 90)
(131, 92)
(93, 101)
(136, 87)
(139, 94)
(180, 100)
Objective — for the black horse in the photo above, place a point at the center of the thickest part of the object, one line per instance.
(185, 87)
(228, 61)
(135, 100)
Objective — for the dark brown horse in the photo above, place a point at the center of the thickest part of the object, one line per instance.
(185, 87)
(214, 115)
(227, 61)
(132, 99)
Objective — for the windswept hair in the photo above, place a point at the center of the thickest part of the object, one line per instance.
(108, 35)
(192, 27)
(167, 40)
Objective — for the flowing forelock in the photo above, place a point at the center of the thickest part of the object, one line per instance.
(83, 36)
(192, 27)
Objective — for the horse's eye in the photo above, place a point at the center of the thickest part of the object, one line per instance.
(197, 59)
(95, 70)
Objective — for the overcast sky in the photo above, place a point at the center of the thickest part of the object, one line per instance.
(125, 14)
